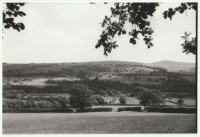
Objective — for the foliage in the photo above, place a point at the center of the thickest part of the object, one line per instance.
(183, 7)
(174, 86)
(122, 99)
(188, 46)
(134, 13)
(99, 110)
(81, 97)
(10, 11)
(173, 110)
(31, 103)
(14, 94)
(180, 101)
(137, 15)
(149, 97)
(100, 100)
(130, 109)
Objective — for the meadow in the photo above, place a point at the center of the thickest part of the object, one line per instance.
(41, 81)
(187, 101)
(190, 78)
(98, 122)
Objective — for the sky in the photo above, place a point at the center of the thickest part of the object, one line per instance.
(68, 32)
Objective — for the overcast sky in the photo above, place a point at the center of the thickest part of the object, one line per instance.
(68, 32)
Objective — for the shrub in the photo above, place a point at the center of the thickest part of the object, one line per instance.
(130, 109)
(100, 100)
(34, 110)
(97, 110)
(122, 99)
(180, 101)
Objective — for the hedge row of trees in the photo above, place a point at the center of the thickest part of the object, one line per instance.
(109, 88)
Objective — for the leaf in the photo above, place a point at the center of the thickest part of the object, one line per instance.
(21, 25)
(132, 40)
(119, 33)
(15, 14)
(7, 26)
(21, 13)
(9, 13)
(123, 32)
(8, 20)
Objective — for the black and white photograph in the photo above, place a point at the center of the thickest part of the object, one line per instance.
(116, 67)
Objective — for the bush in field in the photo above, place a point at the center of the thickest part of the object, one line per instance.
(100, 100)
(122, 99)
(180, 101)
(81, 97)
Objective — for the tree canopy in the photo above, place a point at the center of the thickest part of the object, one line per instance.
(81, 97)
(148, 97)
(10, 11)
(137, 14)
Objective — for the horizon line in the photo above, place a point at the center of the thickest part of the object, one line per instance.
(94, 61)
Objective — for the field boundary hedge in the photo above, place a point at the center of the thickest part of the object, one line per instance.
(97, 110)
(121, 105)
(44, 110)
(130, 109)
(173, 110)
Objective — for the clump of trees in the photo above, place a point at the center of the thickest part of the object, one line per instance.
(100, 100)
(148, 97)
(31, 103)
(81, 97)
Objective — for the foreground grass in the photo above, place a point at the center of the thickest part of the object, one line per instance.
(108, 122)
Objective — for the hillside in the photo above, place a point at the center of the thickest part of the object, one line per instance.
(174, 66)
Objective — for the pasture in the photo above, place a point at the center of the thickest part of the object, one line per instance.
(98, 122)
(190, 78)
(187, 101)
(41, 81)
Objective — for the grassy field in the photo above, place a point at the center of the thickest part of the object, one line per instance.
(98, 122)
(187, 101)
(190, 78)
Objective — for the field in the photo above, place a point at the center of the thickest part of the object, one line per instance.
(190, 78)
(187, 101)
(41, 81)
(98, 122)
